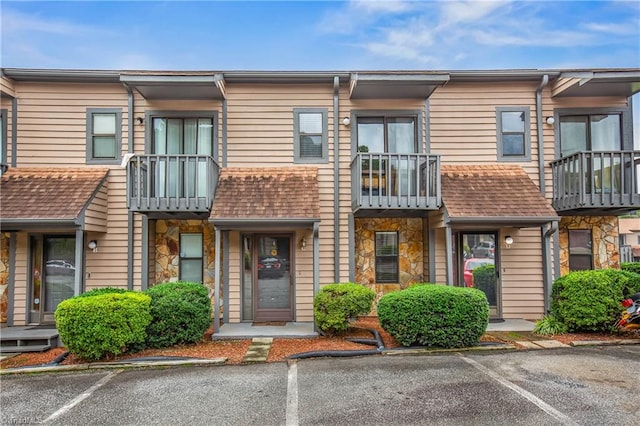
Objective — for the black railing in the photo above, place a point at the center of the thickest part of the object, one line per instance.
(171, 183)
(395, 181)
(596, 179)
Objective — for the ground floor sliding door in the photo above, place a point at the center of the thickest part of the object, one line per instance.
(267, 287)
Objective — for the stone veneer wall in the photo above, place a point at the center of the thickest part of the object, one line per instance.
(4, 276)
(410, 251)
(604, 244)
(167, 249)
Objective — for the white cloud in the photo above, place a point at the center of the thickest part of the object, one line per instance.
(15, 23)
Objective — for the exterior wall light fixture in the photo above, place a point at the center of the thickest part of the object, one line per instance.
(550, 120)
(508, 240)
(139, 120)
(93, 245)
(346, 121)
(303, 243)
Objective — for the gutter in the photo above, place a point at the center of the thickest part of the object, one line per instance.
(336, 180)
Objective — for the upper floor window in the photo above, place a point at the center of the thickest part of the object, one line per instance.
(514, 133)
(104, 135)
(387, 263)
(311, 143)
(590, 132)
(387, 134)
(182, 135)
(3, 140)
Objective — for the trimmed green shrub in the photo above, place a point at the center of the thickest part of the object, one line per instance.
(435, 315)
(549, 326)
(104, 290)
(590, 300)
(180, 313)
(336, 304)
(484, 278)
(630, 267)
(103, 325)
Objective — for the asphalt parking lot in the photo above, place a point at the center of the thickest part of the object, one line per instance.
(587, 386)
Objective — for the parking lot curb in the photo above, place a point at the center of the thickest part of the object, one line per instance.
(426, 351)
(578, 343)
(112, 365)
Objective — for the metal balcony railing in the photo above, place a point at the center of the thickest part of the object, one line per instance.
(395, 181)
(171, 183)
(606, 180)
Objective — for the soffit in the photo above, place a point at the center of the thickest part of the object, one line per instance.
(395, 85)
(606, 83)
(176, 86)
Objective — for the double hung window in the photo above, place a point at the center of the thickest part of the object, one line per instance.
(310, 135)
(387, 263)
(514, 135)
(104, 135)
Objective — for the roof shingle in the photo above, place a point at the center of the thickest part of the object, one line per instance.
(267, 193)
(500, 190)
(48, 193)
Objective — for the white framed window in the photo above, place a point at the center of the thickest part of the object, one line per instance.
(104, 135)
(387, 260)
(310, 133)
(514, 133)
(191, 257)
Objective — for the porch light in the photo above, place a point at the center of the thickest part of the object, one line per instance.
(139, 120)
(346, 121)
(93, 245)
(303, 243)
(550, 120)
(508, 240)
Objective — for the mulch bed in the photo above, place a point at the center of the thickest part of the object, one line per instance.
(235, 350)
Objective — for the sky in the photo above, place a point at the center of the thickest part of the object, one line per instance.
(319, 35)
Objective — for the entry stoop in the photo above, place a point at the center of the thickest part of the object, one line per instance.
(27, 339)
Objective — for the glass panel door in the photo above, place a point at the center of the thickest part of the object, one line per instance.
(53, 274)
(477, 267)
(273, 295)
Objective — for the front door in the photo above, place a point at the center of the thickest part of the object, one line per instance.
(273, 282)
(52, 272)
(479, 250)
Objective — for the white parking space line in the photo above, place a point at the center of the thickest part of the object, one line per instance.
(84, 395)
(563, 418)
(292, 394)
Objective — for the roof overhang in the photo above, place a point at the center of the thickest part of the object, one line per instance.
(177, 87)
(505, 221)
(394, 85)
(597, 83)
(20, 224)
(226, 224)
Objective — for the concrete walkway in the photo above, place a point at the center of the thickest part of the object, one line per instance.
(511, 325)
(246, 330)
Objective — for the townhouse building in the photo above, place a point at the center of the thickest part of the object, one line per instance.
(264, 186)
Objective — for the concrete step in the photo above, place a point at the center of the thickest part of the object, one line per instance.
(23, 348)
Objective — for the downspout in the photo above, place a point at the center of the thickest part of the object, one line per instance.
(336, 180)
(130, 235)
(546, 234)
(546, 262)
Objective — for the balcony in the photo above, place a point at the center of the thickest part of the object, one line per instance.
(596, 183)
(384, 183)
(164, 185)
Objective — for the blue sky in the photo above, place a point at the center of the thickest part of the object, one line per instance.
(323, 35)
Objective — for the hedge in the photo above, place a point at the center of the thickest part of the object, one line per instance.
(435, 315)
(103, 290)
(590, 300)
(336, 304)
(630, 267)
(103, 325)
(180, 313)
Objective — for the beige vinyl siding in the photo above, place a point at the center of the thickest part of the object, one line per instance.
(463, 121)
(95, 216)
(20, 296)
(7, 87)
(521, 274)
(52, 129)
(260, 134)
(235, 279)
(562, 84)
(441, 256)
